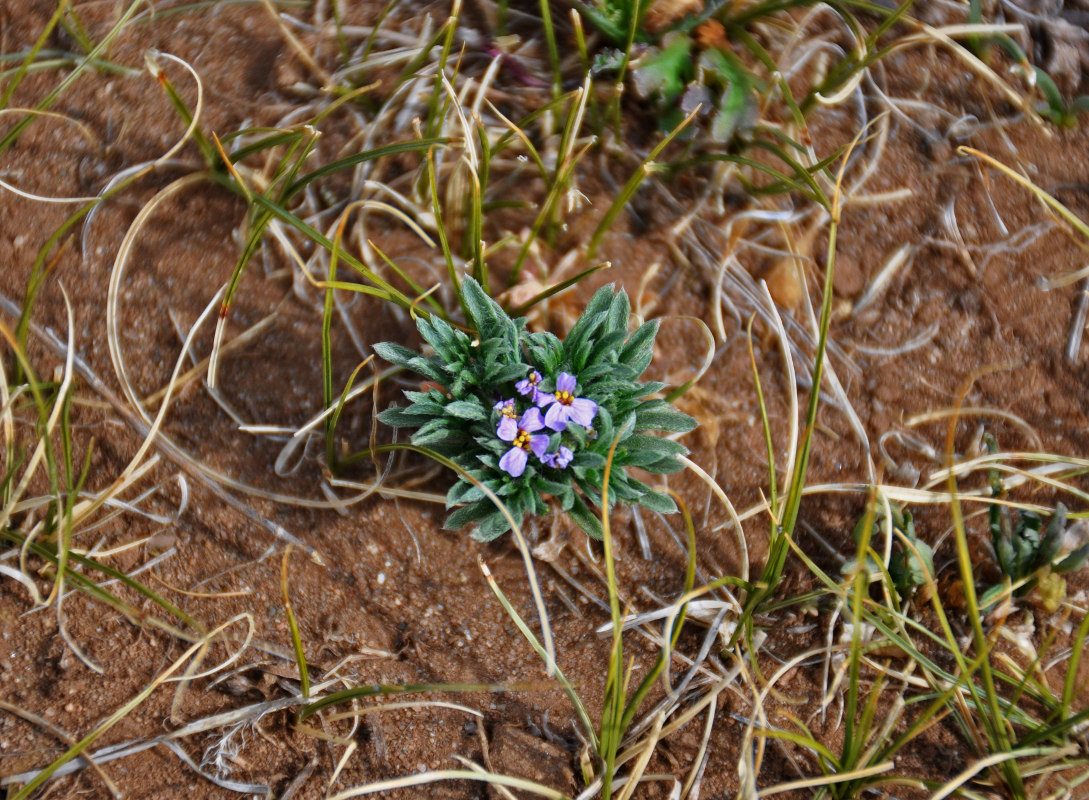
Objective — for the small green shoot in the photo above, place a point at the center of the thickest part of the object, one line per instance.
(912, 561)
(1029, 554)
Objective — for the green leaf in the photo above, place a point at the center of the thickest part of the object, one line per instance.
(619, 311)
(395, 353)
(470, 513)
(664, 466)
(1053, 538)
(463, 492)
(439, 434)
(466, 409)
(639, 349)
(492, 527)
(592, 317)
(547, 486)
(662, 73)
(656, 501)
(585, 519)
(427, 368)
(605, 347)
(908, 570)
(1072, 561)
(510, 374)
(660, 416)
(654, 444)
(440, 336)
(397, 417)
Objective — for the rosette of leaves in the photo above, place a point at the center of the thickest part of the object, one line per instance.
(1027, 552)
(473, 385)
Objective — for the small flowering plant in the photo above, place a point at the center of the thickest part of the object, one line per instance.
(528, 416)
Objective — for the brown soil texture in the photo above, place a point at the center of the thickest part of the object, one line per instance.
(382, 594)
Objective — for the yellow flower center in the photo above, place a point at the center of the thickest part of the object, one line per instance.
(521, 440)
(508, 411)
(566, 398)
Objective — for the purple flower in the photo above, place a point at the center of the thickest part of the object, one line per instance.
(506, 408)
(529, 385)
(523, 436)
(563, 406)
(558, 460)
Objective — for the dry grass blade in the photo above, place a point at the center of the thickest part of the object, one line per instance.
(442, 776)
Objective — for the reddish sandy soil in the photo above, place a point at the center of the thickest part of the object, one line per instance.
(382, 594)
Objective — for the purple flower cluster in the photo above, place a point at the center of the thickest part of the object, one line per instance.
(522, 431)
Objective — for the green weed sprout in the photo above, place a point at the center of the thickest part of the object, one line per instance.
(1028, 554)
(678, 80)
(1054, 108)
(912, 561)
(526, 416)
(678, 73)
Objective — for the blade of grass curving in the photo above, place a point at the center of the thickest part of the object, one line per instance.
(516, 531)
(104, 726)
(293, 626)
(190, 118)
(553, 48)
(384, 689)
(708, 358)
(780, 544)
(84, 63)
(612, 711)
(568, 688)
(994, 721)
(647, 167)
(20, 72)
(555, 289)
(444, 242)
(49, 553)
(773, 478)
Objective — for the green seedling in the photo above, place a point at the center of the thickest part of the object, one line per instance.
(677, 77)
(1029, 554)
(1055, 109)
(526, 417)
(678, 82)
(912, 561)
